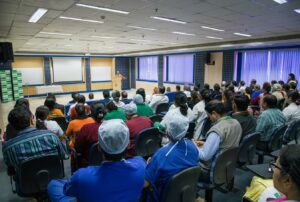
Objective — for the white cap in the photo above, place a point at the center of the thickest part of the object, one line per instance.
(177, 126)
(130, 109)
(138, 99)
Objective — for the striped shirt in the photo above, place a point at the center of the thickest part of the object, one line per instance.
(268, 121)
(32, 143)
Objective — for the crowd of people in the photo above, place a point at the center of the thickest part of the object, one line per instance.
(234, 110)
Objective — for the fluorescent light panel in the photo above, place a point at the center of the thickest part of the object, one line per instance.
(56, 33)
(212, 37)
(241, 34)
(183, 33)
(211, 28)
(80, 19)
(36, 16)
(168, 19)
(145, 28)
(104, 37)
(280, 1)
(297, 10)
(103, 9)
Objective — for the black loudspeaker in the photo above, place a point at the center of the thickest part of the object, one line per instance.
(208, 60)
(6, 52)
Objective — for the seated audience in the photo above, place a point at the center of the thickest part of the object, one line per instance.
(91, 96)
(75, 125)
(180, 154)
(286, 173)
(235, 86)
(255, 93)
(247, 122)
(113, 112)
(207, 87)
(227, 98)
(273, 82)
(115, 179)
(270, 119)
(53, 112)
(74, 98)
(225, 133)
(293, 85)
(141, 91)
(216, 93)
(187, 91)
(42, 123)
(199, 114)
(142, 108)
(292, 112)
(88, 134)
(116, 99)
(80, 100)
(241, 87)
(178, 88)
(135, 124)
(252, 84)
(106, 97)
(125, 99)
(281, 82)
(158, 98)
(276, 91)
(266, 91)
(169, 89)
(194, 99)
(248, 92)
(292, 79)
(29, 142)
(56, 106)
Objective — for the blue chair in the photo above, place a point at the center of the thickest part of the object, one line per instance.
(171, 96)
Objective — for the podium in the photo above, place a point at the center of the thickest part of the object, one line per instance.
(117, 83)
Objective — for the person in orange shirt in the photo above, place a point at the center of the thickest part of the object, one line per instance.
(75, 125)
(80, 100)
(53, 112)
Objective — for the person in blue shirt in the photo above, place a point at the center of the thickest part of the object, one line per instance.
(179, 154)
(106, 97)
(116, 179)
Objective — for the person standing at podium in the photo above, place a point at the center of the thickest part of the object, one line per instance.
(117, 81)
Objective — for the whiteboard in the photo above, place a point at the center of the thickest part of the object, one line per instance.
(32, 76)
(100, 73)
(67, 69)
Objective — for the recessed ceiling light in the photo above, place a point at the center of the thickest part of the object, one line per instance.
(103, 9)
(141, 40)
(211, 28)
(104, 37)
(241, 34)
(280, 1)
(183, 33)
(297, 11)
(145, 28)
(56, 33)
(79, 19)
(37, 15)
(212, 37)
(168, 19)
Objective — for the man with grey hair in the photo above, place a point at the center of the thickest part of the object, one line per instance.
(116, 179)
(135, 124)
(142, 108)
(179, 154)
(116, 99)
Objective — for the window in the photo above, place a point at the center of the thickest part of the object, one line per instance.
(270, 65)
(148, 68)
(179, 68)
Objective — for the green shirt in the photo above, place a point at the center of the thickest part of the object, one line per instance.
(144, 110)
(115, 114)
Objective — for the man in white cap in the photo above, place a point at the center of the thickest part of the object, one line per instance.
(135, 124)
(116, 179)
(179, 154)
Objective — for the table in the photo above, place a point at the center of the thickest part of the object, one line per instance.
(262, 170)
(49, 89)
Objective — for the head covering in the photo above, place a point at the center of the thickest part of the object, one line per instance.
(130, 109)
(113, 136)
(138, 99)
(177, 126)
(277, 87)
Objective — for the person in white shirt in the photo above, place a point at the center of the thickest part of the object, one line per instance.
(158, 98)
(242, 87)
(292, 112)
(116, 99)
(199, 114)
(42, 122)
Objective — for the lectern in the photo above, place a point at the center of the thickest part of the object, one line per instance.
(117, 83)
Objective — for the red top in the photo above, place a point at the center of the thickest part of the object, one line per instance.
(136, 125)
(87, 136)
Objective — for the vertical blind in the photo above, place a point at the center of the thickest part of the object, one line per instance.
(148, 68)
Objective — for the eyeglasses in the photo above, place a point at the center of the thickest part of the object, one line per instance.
(273, 165)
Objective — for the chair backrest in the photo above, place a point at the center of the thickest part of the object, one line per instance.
(247, 148)
(182, 187)
(276, 139)
(190, 131)
(35, 174)
(205, 128)
(223, 166)
(147, 142)
(156, 118)
(162, 107)
(292, 132)
(95, 155)
(62, 122)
